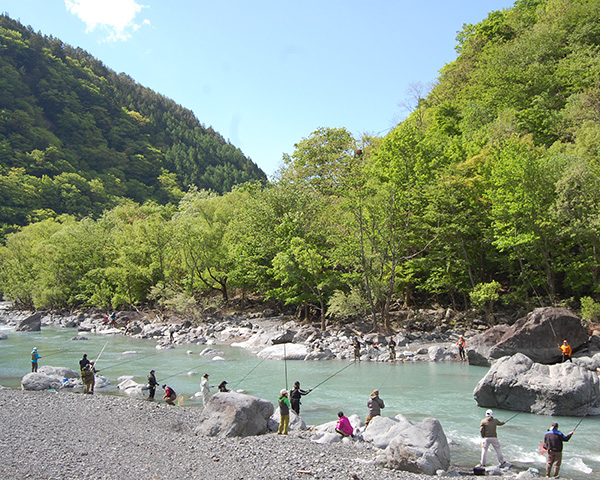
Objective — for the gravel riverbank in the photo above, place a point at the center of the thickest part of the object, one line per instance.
(56, 435)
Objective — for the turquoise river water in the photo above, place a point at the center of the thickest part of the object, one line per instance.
(416, 390)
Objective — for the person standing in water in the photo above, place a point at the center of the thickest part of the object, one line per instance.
(553, 444)
(487, 429)
(34, 359)
(295, 395)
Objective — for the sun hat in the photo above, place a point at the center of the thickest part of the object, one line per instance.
(489, 413)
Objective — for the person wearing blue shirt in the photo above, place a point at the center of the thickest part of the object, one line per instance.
(34, 359)
(553, 444)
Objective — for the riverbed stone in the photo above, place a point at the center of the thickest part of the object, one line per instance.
(421, 448)
(233, 414)
(536, 335)
(290, 351)
(296, 422)
(31, 323)
(41, 381)
(520, 384)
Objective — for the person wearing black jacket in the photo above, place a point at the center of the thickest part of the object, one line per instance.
(553, 444)
(295, 395)
(152, 384)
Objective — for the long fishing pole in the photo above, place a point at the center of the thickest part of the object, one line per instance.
(174, 375)
(518, 413)
(331, 376)
(552, 329)
(579, 423)
(285, 366)
(245, 376)
(54, 353)
(386, 376)
(129, 361)
(101, 351)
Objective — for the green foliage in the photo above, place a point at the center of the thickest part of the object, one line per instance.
(93, 136)
(495, 176)
(590, 310)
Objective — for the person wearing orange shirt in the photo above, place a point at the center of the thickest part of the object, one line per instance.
(566, 350)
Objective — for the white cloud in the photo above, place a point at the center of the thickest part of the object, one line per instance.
(117, 17)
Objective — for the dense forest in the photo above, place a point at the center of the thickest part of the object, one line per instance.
(487, 194)
(77, 138)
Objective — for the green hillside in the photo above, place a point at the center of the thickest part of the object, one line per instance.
(75, 137)
(487, 195)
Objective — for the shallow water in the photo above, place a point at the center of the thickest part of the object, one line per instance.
(416, 390)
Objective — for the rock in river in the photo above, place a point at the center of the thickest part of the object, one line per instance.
(517, 383)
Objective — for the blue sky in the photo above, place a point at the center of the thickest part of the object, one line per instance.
(267, 73)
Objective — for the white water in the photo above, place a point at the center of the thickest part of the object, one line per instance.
(416, 390)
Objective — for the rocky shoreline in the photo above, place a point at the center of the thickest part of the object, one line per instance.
(56, 435)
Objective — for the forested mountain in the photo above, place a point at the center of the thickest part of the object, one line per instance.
(75, 136)
(487, 194)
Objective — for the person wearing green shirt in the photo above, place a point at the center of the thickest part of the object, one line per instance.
(284, 412)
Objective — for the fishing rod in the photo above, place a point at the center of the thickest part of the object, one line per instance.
(101, 351)
(552, 329)
(579, 423)
(331, 376)
(386, 376)
(245, 376)
(518, 413)
(174, 375)
(56, 352)
(285, 366)
(128, 361)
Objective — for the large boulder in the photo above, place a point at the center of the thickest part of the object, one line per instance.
(41, 381)
(536, 335)
(235, 415)
(421, 448)
(517, 383)
(32, 323)
(296, 422)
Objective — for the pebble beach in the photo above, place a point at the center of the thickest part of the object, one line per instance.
(50, 435)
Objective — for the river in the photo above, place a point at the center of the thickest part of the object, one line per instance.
(417, 390)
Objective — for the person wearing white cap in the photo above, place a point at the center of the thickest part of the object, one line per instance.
(488, 433)
(34, 359)
(205, 389)
(284, 412)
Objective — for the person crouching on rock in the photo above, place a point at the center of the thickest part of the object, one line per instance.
(343, 426)
(375, 405)
(284, 412)
(223, 387)
(170, 395)
(488, 433)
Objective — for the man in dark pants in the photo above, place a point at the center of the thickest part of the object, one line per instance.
(553, 444)
(152, 384)
(295, 395)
